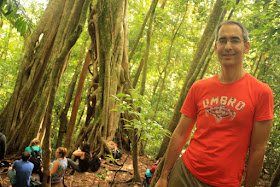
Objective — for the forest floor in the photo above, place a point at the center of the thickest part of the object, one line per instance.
(108, 173)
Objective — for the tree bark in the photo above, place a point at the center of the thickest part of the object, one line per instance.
(62, 115)
(138, 72)
(111, 44)
(275, 180)
(70, 128)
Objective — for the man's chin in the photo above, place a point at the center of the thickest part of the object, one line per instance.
(227, 63)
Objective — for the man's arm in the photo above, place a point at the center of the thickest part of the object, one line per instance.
(259, 138)
(176, 144)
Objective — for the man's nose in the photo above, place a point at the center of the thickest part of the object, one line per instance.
(228, 45)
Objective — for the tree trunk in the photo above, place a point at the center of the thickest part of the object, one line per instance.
(275, 180)
(70, 128)
(167, 63)
(157, 172)
(257, 65)
(49, 45)
(111, 44)
(152, 8)
(214, 19)
(138, 72)
(135, 142)
(163, 4)
(62, 115)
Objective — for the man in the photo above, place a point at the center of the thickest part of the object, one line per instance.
(21, 171)
(233, 112)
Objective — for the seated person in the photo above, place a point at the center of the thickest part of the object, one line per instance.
(150, 172)
(2, 146)
(35, 145)
(84, 156)
(19, 174)
(58, 167)
(36, 156)
(116, 152)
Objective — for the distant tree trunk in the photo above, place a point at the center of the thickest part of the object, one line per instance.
(138, 72)
(167, 63)
(62, 115)
(206, 64)
(109, 18)
(275, 180)
(147, 52)
(214, 19)
(44, 56)
(256, 67)
(152, 8)
(93, 88)
(163, 4)
(77, 101)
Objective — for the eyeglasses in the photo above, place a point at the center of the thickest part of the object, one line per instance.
(234, 41)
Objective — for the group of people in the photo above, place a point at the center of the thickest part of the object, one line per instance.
(21, 170)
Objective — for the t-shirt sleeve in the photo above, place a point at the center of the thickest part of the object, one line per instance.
(264, 106)
(15, 164)
(31, 165)
(189, 107)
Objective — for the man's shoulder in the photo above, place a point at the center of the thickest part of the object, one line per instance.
(205, 81)
(17, 161)
(258, 84)
(30, 163)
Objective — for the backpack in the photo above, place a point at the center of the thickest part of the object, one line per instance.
(94, 163)
(117, 153)
(35, 182)
(36, 160)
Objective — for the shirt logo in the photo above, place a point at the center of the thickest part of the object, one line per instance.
(220, 111)
(220, 106)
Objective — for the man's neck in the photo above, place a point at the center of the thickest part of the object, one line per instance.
(228, 75)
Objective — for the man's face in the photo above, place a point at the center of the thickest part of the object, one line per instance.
(230, 46)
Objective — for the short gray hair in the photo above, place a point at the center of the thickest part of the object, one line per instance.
(243, 28)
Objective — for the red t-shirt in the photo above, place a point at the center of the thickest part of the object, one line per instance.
(224, 115)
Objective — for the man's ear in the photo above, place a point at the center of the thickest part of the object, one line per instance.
(215, 46)
(247, 47)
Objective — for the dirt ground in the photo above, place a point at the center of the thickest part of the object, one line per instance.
(109, 174)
